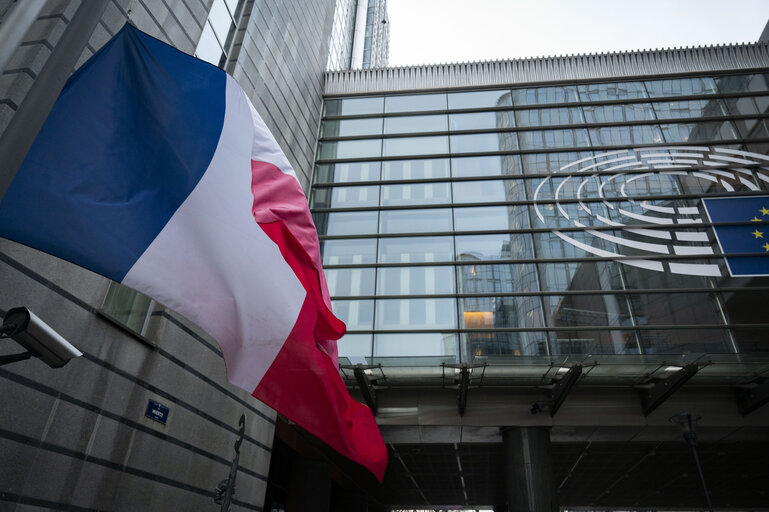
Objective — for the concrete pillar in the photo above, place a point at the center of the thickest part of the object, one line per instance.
(310, 487)
(529, 470)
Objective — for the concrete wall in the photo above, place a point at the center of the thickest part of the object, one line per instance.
(78, 436)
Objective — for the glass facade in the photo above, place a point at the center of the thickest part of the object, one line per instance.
(543, 221)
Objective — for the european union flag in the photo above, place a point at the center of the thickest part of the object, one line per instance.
(750, 237)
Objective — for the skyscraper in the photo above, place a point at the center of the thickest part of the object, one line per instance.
(360, 38)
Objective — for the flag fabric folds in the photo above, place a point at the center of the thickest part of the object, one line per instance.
(154, 170)
(741, 225)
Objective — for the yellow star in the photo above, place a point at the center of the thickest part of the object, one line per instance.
(758, 234)
(755, 219)
(764, 211)
(766, 246)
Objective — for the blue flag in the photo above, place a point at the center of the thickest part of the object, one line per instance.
(749, 237)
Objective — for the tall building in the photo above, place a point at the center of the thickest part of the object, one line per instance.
(360, 38)
(530, 259)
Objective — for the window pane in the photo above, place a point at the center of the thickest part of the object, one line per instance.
(547, 139)
(418, 193)
(220, 19)
(357, 348)
(742, 83)
(415, 280)
(481, 121)
(618, 91)
(415, 345)
(487, 191)
(618, 113)
(415, 103)
(357, 314)
(347, 172)
(353, 106)
(350, 149)
(415, 169)
(414, 124)
(623, 135)
(402, 146)
(345, 223)
(483, 218)
(500, 312)
(479, 99)
(416, 249)
(208, 47)
(543, 95)
(538, 163)
(350, 281)
(681, 87)
(549, 116)
(351, 127)
(483, 142)
(485, 247)
(415, 221)
(698, 132)
(499, 343)
(692, 108)
(496, 165)
(416, 314)
(345, 197)
(341, 252)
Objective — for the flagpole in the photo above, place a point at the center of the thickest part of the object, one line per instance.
(30, 116)
(15, 26)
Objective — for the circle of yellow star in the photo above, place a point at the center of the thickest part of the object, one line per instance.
(766, 246)
(758, 234)
(755, 219)
(764, 211)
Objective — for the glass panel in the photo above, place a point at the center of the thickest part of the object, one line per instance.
(220, 20)
(547, 139)
(415, 281)
(743, 106)
(487, 191)
(421, 169)
(691, 108)
(357, 348)
(594, 342)
(343, 252)
(351, 127)
(416, 194)
(587, 310)
(350, 149)
(350, 281)
(353, 106)
(345, 223)
(416, 249)
(618, 113)
(347, 172)
(358, 315)
(711, 341)
(585, 275)
(624, 135)
(484, 218)
(415, 221)
(415, 103)
(500, 312)
(481, 121)
(402, 146)
(617, 91)
(480, 99)
(539, 163)
(742, 83)
(491, 343)
(127, 306)
(416, 314)
(496, 165)
(681, 87)
(486, 247)
(415, 345)
(549, 116)
(483, 142)
(698, 132)
(345, 197)
(542, 95)
(414, 124)
(208, 48)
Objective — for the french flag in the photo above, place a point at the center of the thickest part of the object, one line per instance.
(154, 170)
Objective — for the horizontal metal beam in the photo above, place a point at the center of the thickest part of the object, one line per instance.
(563, 386)
(662, 389)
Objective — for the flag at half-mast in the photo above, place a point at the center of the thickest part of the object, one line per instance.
(154, 170)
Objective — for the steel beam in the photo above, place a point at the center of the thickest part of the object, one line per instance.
(366, 388)
(752, 398)
(662, 389)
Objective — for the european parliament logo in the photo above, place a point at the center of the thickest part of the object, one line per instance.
(641, 207)
(741, 225)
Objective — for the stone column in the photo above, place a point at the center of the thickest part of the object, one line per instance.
(529, 470)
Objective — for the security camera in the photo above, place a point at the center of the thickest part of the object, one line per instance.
(38, 337)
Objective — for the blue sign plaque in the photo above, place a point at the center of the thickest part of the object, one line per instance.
(157, 412)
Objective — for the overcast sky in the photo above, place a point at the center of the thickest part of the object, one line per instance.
(438, 31)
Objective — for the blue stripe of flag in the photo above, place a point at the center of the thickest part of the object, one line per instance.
(751, 236)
